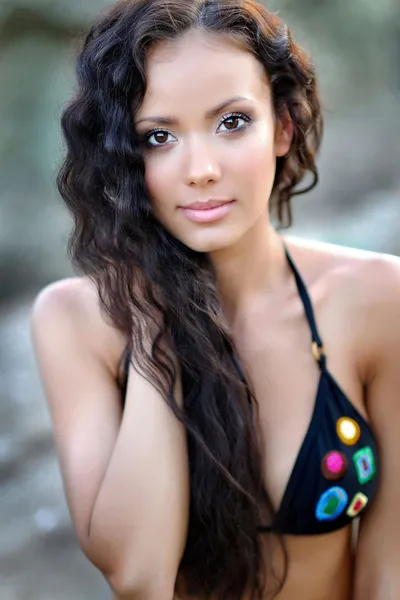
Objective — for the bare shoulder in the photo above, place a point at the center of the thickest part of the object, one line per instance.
(73, 304)
(372, 276)
(366, 286)
(75, 297)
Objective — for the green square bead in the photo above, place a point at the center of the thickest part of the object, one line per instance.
(364, 463)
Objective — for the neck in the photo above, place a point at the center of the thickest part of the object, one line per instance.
(254, 267)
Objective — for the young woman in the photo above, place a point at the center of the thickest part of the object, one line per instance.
(225, 400)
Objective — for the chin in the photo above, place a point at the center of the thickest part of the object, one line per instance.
(206, 238)
(209, 241)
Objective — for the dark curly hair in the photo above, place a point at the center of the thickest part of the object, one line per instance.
(147, 278)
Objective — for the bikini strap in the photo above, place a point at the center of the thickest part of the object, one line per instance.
(317, 347)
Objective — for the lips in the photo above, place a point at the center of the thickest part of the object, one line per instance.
(208, 212)
(207, 205)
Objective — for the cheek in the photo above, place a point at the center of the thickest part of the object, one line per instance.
(256, 163)
(153, 176)
(162, 187)
(159, 181)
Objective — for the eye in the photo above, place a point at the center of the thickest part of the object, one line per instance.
(159, 137)
(235, 122)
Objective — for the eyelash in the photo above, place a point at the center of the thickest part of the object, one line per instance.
(246, 118)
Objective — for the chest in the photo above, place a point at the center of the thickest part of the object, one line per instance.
(277, 357)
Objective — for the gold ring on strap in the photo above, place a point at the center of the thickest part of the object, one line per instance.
(317, 351)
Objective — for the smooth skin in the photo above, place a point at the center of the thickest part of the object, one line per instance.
(356, 296)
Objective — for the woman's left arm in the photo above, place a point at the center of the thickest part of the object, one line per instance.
(377, 564)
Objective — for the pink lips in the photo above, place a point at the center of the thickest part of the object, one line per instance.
(206, 212)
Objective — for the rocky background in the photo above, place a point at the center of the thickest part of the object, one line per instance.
(356, 47)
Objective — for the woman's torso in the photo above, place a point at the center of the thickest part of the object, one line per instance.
(273, 344)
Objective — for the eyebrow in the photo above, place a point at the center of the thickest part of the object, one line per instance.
(209, 114)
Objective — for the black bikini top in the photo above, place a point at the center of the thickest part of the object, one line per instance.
(335, 475)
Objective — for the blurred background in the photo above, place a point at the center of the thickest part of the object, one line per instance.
(356, 48)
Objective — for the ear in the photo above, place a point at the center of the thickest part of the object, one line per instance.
(283, 134)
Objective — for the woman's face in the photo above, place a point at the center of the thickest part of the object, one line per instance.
(209, 134)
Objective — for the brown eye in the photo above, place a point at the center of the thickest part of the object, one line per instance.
(161, 137)
(231, 123)
(234, 122)
(157, 138)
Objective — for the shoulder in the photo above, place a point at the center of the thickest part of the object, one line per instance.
(70, 302)
(364, 284)
(72, 295)
(369, 275)
(71, 307)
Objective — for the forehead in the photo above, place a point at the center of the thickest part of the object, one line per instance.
(199, 69)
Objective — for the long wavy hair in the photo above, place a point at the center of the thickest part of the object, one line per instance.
(149, 281)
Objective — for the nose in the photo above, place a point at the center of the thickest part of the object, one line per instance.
(202, 166)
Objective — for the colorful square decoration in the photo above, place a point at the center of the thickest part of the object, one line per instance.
(357, 504)
(364, 463)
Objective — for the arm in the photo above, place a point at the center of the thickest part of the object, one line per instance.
(377, 575)
(125, 476)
